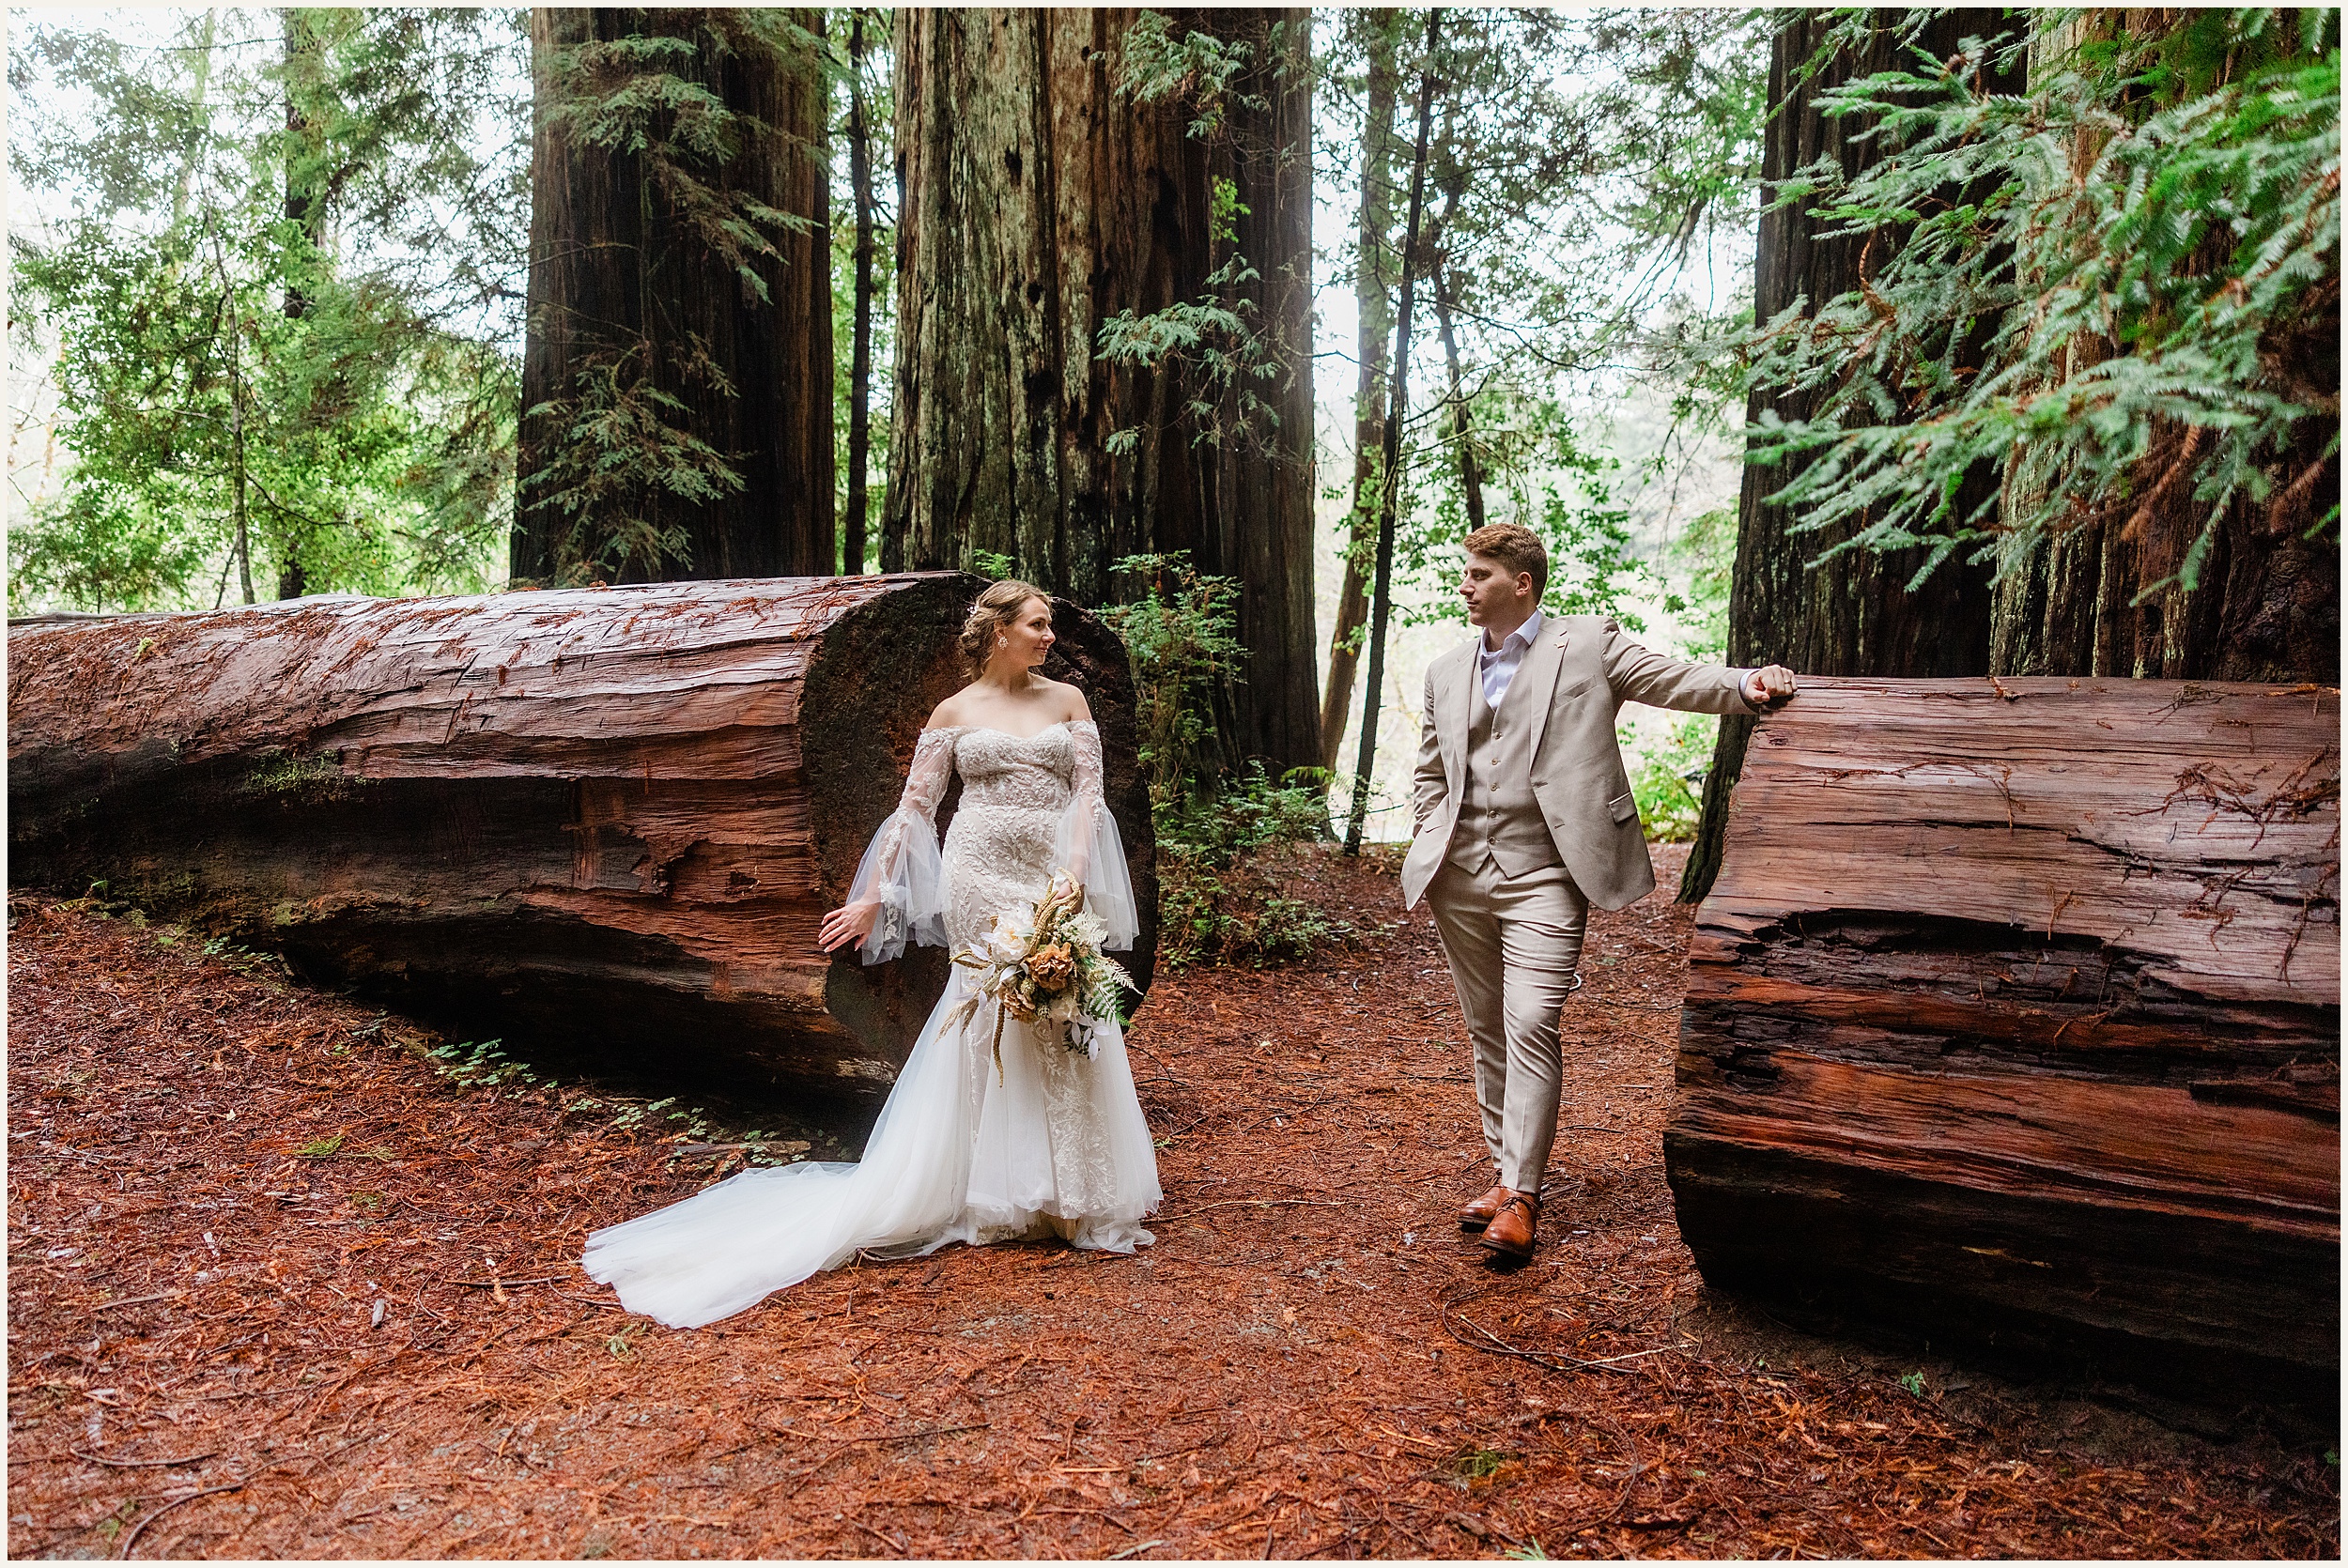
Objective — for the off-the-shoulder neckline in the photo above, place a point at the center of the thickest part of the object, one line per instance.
(990, 729)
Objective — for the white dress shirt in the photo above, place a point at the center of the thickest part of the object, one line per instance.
(1497, 667)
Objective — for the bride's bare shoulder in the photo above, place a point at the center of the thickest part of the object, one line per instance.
(951, 714)
(1072, 706)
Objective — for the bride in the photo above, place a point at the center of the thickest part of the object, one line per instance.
(1056, 1146)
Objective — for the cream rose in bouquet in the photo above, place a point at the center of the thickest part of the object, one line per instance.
(1046, 968)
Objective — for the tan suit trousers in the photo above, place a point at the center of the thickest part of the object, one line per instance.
(1513, 945)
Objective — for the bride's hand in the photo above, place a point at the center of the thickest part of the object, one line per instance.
(853, 923)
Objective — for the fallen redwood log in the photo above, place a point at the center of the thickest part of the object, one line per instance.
(607, 819)
(2013, 1017)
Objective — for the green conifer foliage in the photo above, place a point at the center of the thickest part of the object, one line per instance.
(276, 294)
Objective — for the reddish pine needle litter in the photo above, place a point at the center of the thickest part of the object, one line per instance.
(281, 1287)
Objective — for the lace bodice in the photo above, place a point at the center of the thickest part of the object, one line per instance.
(999, 848)
(1031, 805)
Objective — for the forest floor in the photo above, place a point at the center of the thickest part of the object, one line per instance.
(281, 1285)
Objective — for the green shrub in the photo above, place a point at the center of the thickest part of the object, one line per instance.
(1182, 635)
(1667, 780)
(1221, 897)
(1220, 838)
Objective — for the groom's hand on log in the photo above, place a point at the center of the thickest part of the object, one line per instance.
(851, 924)
(1771, 683)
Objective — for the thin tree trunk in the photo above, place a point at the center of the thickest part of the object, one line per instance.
(1853, 615)
(303, 214)
(860, 364)
(1463, 427)
(198, 119)
(1373, 311)
(622, 284)
(1382, 602)
(239, 509)
(1452, 181)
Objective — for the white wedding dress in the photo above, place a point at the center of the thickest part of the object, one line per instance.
(1058, 1148)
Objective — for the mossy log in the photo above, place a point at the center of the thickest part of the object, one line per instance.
(2013, 1017)
(609, 820)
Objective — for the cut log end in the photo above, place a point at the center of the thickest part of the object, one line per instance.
(2013, 1017)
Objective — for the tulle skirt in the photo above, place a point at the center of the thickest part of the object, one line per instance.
(1048, 1144)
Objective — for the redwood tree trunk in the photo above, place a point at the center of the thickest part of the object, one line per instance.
(606, 821)
(2098, 598)
(1853, 615)
(1038, 203)
(624, 286)
(1258, 524)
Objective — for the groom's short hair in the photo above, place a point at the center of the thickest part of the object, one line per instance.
(1516, 548)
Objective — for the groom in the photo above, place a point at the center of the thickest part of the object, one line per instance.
(1524, 819)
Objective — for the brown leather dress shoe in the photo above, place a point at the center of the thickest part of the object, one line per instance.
(1476, 1215)
(1513, 1226)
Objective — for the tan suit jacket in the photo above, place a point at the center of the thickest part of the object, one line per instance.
(1580, 669)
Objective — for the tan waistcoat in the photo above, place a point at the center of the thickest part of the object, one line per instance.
(1498, 815)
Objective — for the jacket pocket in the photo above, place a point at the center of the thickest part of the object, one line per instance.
(1623, 808)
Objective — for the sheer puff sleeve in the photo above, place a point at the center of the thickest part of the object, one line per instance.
(900, 869)
(1089, 848)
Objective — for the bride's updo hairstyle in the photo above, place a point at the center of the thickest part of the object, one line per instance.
(996, 608)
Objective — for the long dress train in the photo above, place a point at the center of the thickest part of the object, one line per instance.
(1058, 1146)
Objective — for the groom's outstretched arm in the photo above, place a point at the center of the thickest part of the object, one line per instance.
(1641, 675)
(1428, 784)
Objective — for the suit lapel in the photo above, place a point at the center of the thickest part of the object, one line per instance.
(1458, 698)
(1538, 676)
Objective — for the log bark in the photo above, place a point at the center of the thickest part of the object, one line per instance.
(605, 822)
(629, 289)
(2013, 1017)
(1040, 202)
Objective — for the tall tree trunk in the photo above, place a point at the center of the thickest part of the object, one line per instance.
(2267, 604)
(1462, 426)
(1452, 181)
(861, 363)
(1261, 531)
(304, 214)
(1373, 311)
(198, 118)
(630, 300)
(1852, 615)
(1039, 202)
(1382, 601)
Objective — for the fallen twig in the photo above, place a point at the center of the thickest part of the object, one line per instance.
(141, 1464)
(1256, 1202)
(137, 1530)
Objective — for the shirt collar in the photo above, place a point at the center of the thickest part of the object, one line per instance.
(1523, 637)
